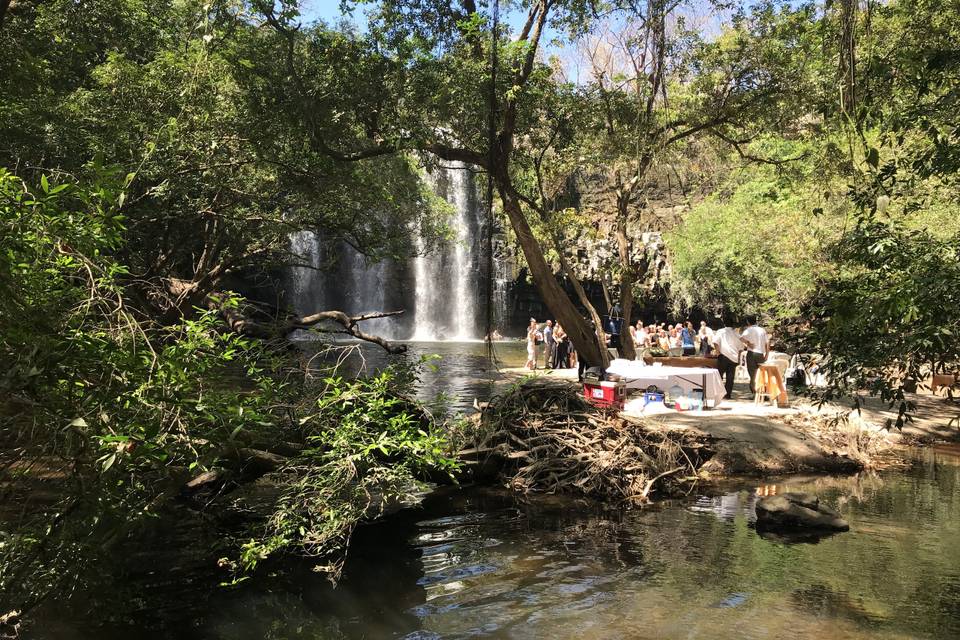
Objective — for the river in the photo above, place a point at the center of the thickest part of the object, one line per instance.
(452, 374)
(479, 563)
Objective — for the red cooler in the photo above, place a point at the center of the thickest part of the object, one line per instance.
(605, 394)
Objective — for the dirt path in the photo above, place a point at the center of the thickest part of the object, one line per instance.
(753, 439)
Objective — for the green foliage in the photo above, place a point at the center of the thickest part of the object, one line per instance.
(890, 315)
(757, 246)
(886, 316)
(369, 448)
(125, 410)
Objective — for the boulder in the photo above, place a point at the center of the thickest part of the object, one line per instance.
(791, 511)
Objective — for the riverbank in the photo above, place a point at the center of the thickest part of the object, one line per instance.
(747, 439)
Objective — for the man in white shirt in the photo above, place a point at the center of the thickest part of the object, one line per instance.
(728, 345)
(757, 343)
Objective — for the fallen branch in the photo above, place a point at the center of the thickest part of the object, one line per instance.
(646, 489)
(349, 323)
(240, 321)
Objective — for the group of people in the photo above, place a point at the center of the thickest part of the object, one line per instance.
(726, 343)
(676, 340)
(681, 339)
(557, 349)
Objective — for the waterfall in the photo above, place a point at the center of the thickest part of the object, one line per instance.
(502, 276)
(442, 288)
(365, 287)
(465, 280)
(306, 292)
(447, 280)
(426, 269)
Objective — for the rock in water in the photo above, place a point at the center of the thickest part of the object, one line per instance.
(797, 511)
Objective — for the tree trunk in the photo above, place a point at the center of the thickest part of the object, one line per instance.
(606, 293)
(556, 299)
(599, 333)
(848, 58)
(627, 349)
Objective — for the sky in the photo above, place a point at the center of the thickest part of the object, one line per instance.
(330, 12)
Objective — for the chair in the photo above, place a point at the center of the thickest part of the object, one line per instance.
(761, 386)
(768, 386)
(782, 362)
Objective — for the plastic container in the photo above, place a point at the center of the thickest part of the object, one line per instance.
(652, 396)
(696, 399)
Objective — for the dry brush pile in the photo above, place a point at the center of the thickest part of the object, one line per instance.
(543, 437)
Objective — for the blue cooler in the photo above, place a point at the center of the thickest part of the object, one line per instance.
(652, 394)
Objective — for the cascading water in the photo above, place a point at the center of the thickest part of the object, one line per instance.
(447, 280)
(502, 277)
(442, 288)
(307, 292)
(426, 268)
(365, 288)
(465, 277)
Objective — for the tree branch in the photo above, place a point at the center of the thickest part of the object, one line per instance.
(459, 154)
(349, 323)
(737, 145)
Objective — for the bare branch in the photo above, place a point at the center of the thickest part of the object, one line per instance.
(738, 146)
(349, 323)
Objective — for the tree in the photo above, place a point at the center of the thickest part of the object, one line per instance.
(655, 85)
(885, 315)
(426, 95)
(215, 189)
(138, 187)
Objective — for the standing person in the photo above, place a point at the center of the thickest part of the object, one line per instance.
(642, 341)
(755, 339)
(532, 344)
(664, 342)
(727, 343)
(706, 338)
(560, 351)
(550, 345)
(676, 346)
(686, 339)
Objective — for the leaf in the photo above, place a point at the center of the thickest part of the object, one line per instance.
(44, 183)
(109, 461)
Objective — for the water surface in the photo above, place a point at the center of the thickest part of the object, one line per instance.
(453, 373)
(481, 565)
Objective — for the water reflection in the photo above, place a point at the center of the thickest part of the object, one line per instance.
(463, 371)
(480, 565)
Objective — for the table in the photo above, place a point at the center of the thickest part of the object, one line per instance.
(640, 376)
(687, 362)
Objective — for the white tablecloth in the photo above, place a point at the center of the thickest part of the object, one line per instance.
(638, 375)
